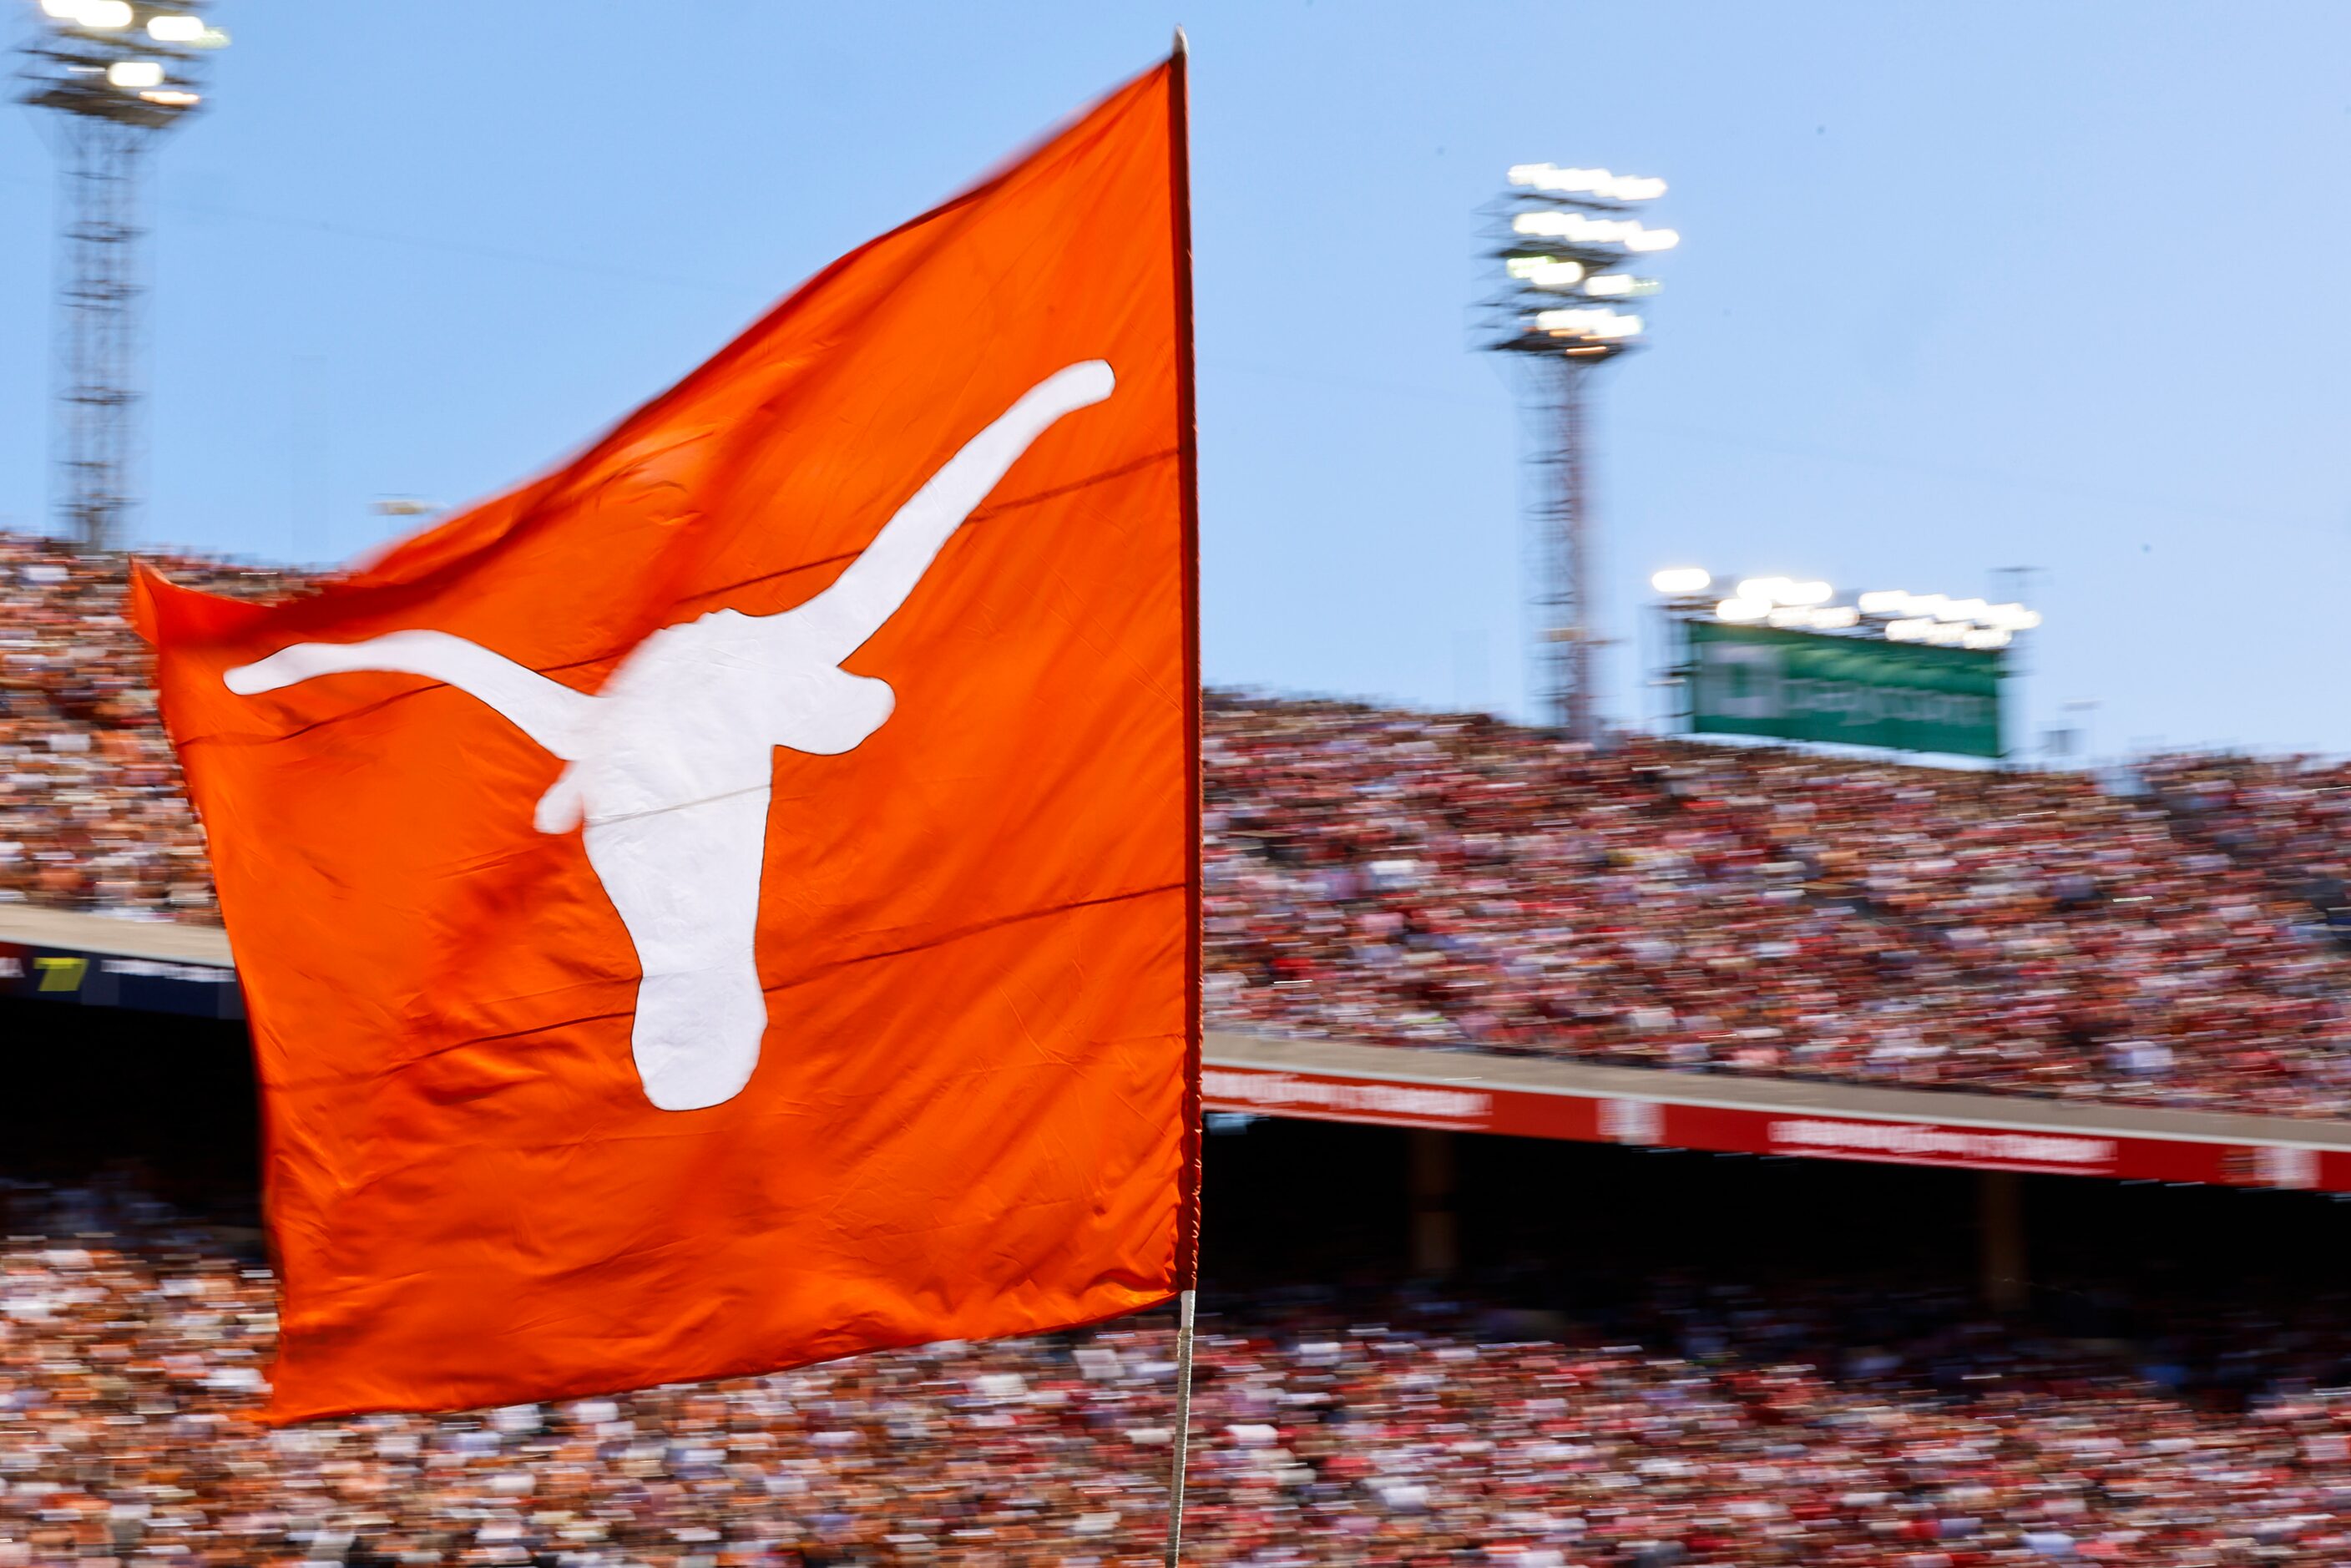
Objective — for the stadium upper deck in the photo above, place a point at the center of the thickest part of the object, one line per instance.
(1454, 884)
(1461, 884)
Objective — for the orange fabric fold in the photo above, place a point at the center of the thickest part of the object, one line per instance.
(728, 903)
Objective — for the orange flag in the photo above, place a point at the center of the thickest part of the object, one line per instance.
(731, 902)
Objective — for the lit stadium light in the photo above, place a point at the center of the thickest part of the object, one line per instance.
(135, 74)
(1582, 228)
(1587, 322)
(175, 28)
(1546, 272)
(1550, 224)
(93, 15)
(1553, 231)
(1597, 182)
(1786, 590)
(1742, 608)
(1901, 616)
(1938, 618)
(1572, 213)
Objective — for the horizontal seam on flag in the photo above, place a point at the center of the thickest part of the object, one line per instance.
(984, 926)
(393, 1068)
(979, 516)
(760, 788)
(389, 1068)
(755, 1365)
(227, 740)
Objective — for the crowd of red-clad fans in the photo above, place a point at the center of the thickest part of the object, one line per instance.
(1452, 881)
(91, 812)
(1693, 1426)
(1455, 881)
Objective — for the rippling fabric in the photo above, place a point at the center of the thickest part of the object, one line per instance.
(968, 1107)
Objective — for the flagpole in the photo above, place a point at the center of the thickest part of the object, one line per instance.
(1187, 1249)
(1183, 1438)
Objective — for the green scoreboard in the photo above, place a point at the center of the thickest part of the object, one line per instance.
(1854, 690)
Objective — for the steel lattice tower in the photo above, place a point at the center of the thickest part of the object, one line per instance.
(1564, 237)
(114, 77)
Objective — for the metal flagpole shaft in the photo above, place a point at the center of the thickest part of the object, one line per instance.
(1183, 1426)
(1187, 1259)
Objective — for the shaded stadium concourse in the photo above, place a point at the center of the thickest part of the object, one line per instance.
(1580, 1227)
(160, 1104)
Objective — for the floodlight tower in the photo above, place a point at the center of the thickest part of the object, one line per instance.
(1566, 239)
(116, 76)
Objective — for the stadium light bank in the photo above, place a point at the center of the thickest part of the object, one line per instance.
(1569, 241)
(1809, 605)
(114, 78)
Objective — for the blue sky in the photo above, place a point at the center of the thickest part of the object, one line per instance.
(1960, 288)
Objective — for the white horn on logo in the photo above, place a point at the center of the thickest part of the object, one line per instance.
(551, 713)
(869, 591)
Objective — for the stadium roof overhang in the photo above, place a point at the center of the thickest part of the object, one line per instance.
(51, 956)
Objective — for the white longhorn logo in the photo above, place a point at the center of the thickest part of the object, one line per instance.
(670, 762)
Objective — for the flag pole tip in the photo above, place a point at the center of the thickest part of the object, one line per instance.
(1183, 44)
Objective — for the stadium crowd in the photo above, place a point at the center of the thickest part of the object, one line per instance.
(1455, 882)
(2292, 814)
(91, 811)
(1719, 1425)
